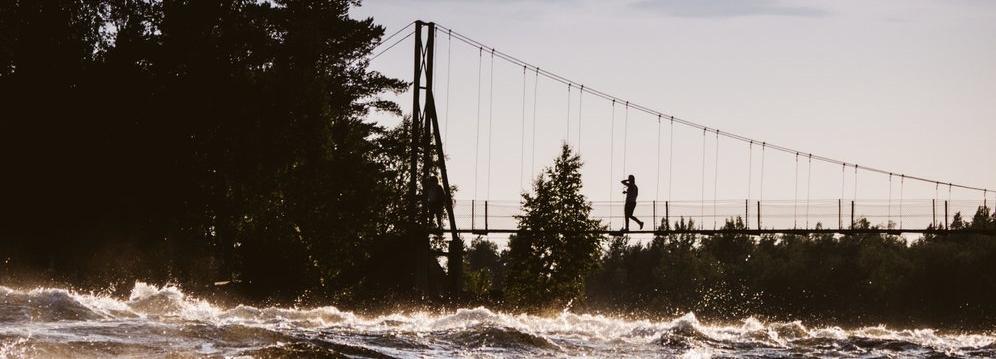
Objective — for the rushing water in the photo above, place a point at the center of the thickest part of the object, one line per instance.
(164, 322)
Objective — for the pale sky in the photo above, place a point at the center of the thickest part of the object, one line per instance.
(904, 86)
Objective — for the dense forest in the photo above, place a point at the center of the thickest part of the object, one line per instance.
(945, 279)
(196, 142)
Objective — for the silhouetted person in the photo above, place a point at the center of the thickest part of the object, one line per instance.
(435, 196)
(631, 192)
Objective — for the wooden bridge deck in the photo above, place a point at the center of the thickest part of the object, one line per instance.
(752, 232)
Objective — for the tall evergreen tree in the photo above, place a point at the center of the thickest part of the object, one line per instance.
(555, 249)
(205, 140)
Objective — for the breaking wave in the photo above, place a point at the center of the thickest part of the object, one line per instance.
(164, 321)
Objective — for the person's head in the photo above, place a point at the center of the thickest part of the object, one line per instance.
(632, 179)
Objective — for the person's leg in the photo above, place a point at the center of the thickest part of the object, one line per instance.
(630, 209)
(629, 213)
(438, 212)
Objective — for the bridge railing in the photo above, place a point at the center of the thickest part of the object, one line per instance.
(485, 215)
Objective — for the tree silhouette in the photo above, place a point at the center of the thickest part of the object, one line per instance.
(555, 249)
(208, 140)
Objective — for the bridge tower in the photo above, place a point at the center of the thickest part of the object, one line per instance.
(427, 155)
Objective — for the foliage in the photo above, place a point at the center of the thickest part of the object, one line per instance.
(484, 273)
(941, 279)
(210, 140)
(555, 250)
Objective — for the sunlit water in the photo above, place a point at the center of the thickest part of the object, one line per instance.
(164, 322)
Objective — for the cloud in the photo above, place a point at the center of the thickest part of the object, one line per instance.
(728, 8)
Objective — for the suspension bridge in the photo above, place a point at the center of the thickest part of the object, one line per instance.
(799, 213)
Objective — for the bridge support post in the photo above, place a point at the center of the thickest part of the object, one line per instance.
(840, 215)
(947, 223)
(852, 214)
(654, 216)
(933, 209)
(758, 214)
(747, 213)
(428, 139)
(416, 232)
(667, 214)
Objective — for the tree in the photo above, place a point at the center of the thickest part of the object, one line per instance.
(484, 271)
(556, 247)
(207, 139)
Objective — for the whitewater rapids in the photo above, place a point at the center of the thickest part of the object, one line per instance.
(165, 322)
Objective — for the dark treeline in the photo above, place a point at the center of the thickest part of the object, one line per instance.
(196, 142)
(947, 280)
(944, 279)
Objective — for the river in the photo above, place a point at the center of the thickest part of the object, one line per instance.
(165, 322)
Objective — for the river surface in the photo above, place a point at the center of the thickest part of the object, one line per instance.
(164, 322)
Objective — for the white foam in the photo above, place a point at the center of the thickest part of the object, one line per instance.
(168, 304)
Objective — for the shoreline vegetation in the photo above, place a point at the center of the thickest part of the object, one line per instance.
(202, 142)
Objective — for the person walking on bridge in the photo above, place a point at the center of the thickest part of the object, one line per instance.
(631, 192)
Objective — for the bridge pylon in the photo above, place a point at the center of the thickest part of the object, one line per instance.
(427, 155)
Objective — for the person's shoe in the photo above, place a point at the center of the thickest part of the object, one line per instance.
(641, 226)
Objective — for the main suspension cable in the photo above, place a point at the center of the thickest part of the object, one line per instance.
(374, 57)
(608, 97)
(386, 39)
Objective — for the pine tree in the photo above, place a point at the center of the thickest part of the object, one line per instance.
(556, 248)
